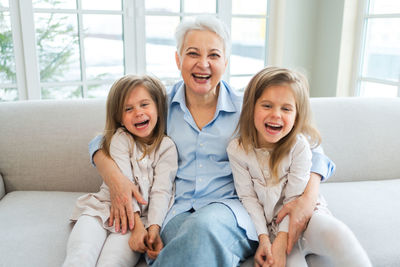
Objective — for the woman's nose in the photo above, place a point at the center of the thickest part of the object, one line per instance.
(203, 62)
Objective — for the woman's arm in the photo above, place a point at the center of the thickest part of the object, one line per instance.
(121, 191)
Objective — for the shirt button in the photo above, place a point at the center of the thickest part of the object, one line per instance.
(200, 166)
(201, 144)
(200, 180)
(174, 212)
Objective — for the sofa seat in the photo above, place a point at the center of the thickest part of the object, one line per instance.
(370, 209)
(37, 227)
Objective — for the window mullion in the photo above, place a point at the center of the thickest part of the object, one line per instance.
(18, 50)
(31, 65)
(360, 45)
(82, 49)
(224, 11)
(140, 34)
(129, 36)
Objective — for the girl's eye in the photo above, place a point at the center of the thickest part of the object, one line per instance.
(144, 104)
(128, 109)
(287, 109)
(266, 106)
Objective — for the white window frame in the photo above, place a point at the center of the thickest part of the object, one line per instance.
(363, 17)
(133, 13)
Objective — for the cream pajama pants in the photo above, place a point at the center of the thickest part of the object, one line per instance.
(331, 240)
(91, 245)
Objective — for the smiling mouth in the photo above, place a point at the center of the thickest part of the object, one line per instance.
(201, 76)
(142, 124)
(273, 127)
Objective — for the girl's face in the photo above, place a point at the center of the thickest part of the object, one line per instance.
(140, 113)
(202, 62)
(274, 114)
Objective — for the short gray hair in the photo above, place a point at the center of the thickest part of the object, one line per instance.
(203, 23)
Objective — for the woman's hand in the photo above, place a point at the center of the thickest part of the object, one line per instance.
(154, 242)
(279, 249)
(137, 241)
(300, 211)
(263, 256)
(121, 192)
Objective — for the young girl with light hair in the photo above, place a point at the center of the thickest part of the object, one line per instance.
(271, 161)
(134, 138)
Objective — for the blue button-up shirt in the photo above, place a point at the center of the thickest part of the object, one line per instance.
(204, 175)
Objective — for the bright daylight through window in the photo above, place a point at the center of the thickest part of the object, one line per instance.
(77, 48)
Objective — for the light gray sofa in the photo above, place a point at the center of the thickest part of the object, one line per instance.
(44, 164)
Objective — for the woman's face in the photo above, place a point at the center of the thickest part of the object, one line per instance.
(202, 62)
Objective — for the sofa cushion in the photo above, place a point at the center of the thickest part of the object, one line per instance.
(35, 227)
(360, 135)
(370, 209)
(44, 144)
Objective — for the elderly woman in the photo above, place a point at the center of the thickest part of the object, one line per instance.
(207, 225)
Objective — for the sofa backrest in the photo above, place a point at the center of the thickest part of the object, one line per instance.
(44, 144)
(361, 135)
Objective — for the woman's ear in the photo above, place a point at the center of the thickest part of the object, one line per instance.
(177, 60)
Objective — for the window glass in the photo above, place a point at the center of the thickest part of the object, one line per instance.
(254, 7)
(204, 6)
(163, 6)
(7, 59)
(8, 94)
(57, 47)
(382, 49)
(66, 4)
(101, 4)
(239, 83)
(371, 89)
(248, 45)
(98, 90)
(160, 46)
(104, 52)
(384, 6)
(61, 92)
(3, 3)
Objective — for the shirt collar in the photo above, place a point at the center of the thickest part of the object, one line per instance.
(225, 102)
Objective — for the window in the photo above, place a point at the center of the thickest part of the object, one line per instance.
(379, 73)
(54, 49)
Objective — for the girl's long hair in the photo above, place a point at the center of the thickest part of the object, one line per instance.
(267, 77)
(116, 99)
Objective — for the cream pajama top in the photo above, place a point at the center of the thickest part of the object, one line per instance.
(261, 198)
(154, 174)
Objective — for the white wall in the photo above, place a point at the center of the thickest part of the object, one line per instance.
(311, 41)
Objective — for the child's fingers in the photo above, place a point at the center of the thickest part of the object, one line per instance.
(269, 260)
(258, 260)
(111, 219)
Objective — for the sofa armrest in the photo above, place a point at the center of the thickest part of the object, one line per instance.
(2, 188)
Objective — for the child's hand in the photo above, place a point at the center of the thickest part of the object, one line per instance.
(154, 242)
(279, 249)
(137, 241)
(263, 256)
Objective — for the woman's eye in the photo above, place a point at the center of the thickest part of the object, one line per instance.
(215, 55)
(193, 54)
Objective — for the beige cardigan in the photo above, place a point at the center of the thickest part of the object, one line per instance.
(154, 174)
(262, 199)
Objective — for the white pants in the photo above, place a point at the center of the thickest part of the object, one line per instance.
(333, 242)
(89, 243)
